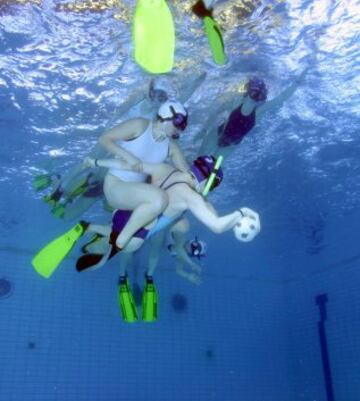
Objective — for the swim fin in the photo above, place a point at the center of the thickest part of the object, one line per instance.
(48, 259)
(58, 210)
(81, 187)
(153, 36)
(215, 39)
(149, 301)
(213, 32)
(54, 197)
(126, 301)
(41, 182)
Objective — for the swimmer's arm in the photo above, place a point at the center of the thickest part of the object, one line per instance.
(200, 209)
(155, 170)
(132, 101)
(123, 132)
(117, 164)
(177, 157)
(279, 100)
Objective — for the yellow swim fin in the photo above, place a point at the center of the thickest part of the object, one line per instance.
(212, 30)
(153, 36)
(48, 259)
(215, 39)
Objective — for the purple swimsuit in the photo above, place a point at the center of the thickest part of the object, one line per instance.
(237, 126)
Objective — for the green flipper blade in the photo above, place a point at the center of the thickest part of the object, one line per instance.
(149, 303)
(58, 211)
(48, 259)
(154, 36)
(215, 39)
(127, 303)
(42, 182)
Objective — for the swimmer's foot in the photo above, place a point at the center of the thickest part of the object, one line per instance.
(93, 240)
(94, 261)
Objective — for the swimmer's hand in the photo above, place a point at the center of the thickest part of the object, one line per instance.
(194, 278)
(247, 212)
(197, 269)
(137, 166)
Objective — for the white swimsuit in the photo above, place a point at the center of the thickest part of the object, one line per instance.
(145, 148)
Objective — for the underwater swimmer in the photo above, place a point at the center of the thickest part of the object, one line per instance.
(183, 191)
(185, 251)
(135, 142)
(194, 248)
(223, 139)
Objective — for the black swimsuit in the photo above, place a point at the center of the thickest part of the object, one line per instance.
(237, 126)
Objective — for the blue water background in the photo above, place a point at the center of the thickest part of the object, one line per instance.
(249, 332)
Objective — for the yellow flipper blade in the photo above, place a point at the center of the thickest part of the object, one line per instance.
(48, 259)
(154, 36)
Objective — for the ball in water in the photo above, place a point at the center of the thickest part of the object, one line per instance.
(247, 228)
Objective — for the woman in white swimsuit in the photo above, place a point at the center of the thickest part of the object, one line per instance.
(140, 140)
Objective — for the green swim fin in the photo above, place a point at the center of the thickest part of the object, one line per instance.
(54, 197)
(212, 31)
(153, 36)
(58, 210)
(149, 301)
(48, 259)
(126, 301)
(215, 39)
(41, 182)
(81, 187)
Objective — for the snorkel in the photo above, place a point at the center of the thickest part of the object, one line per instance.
(212, 177)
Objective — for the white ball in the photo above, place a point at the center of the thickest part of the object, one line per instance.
(247, 228)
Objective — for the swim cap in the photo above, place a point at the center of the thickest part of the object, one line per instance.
(256, 89)
(248, 226)
(203, 166)
(175, 112)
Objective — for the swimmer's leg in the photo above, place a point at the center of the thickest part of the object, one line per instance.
(146, 201)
